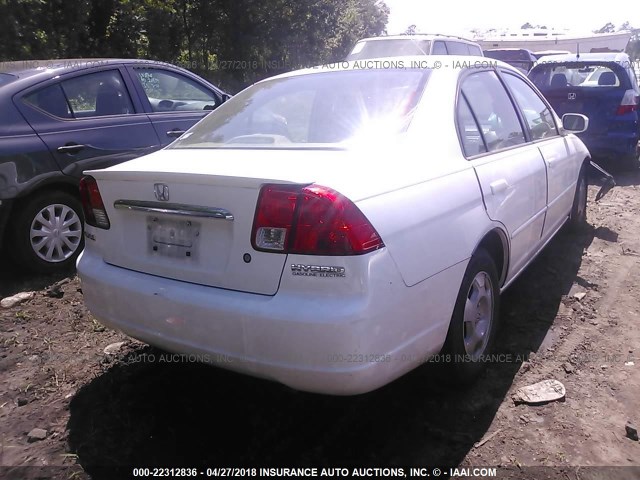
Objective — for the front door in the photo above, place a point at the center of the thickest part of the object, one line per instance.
(174, 101)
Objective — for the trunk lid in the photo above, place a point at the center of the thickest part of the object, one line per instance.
(170, 211)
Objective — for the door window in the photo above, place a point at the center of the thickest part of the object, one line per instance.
(472, 142)
(439, 48)
(91, 95)
(493, 110)
(475, 50)
(536, 113)
(169, 91)
(51, 100)
(97, 95)
(457, 48)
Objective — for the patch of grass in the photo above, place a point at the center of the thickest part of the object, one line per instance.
(22, 315)
(12, 341)
(97, 326)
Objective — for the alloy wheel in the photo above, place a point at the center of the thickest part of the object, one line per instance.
(478, 316)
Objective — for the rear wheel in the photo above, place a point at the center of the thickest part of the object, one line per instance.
(48, 232)
(475, 319)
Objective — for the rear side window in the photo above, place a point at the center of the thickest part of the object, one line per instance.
(493, 111)
(50, 100)
(475, 50)
(536, 113)
(457, 48)
(97, 94)
(472, 142)
(439, 48)
(556, 76)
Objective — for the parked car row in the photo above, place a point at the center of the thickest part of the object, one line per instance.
(61, 117)
(329, 229)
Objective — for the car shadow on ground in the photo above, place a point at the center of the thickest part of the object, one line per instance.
(622, 176)
(143, 413)
(14, 279)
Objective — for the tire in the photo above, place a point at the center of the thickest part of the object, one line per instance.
(578, 216)
(473, 328)
(48, 232)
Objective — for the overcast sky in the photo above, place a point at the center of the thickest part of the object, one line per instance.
(460, 16)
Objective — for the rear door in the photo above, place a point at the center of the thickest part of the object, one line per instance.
(510, 170)
(88, 119)
(174, 101)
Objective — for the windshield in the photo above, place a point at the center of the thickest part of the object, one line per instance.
(312, 110)
(397, 47)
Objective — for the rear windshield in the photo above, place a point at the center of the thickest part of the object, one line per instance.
(521, 59)
(559, 75)
(313, 110)
(398, 47)
(6, 78)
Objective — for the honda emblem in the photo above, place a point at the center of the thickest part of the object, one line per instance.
(162, 191)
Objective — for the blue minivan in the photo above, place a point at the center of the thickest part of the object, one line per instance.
(602, 86)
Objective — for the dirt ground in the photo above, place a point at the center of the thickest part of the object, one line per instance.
(123, 409)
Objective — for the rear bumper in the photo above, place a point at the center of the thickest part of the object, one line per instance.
(341, 345)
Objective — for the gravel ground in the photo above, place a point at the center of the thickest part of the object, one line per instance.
(137, 406)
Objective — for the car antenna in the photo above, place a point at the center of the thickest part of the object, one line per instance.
(578, 51)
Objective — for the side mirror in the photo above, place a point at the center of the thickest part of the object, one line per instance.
(575, 122)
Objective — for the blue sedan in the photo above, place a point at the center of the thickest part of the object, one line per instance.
(61, 117)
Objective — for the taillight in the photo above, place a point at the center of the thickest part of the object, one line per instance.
(94, 211)
(629, 103)
(311, 220)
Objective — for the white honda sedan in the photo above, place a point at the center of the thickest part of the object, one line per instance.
(333, 228)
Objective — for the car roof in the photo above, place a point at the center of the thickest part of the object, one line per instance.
(507, 49)
(32, 72)
(27, 73)
(28, 68)
(586, 57)
(416, 36)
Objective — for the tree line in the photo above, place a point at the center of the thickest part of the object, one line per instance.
(231, 42)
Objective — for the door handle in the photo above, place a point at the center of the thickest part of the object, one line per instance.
(499, 186)
(70, 148)
(175, 133)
